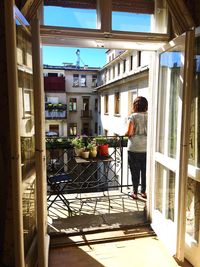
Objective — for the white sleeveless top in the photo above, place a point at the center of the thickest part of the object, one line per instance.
(138, 142)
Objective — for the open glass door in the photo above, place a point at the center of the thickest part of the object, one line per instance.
(192, 240)
(166, 182)
(27, 135)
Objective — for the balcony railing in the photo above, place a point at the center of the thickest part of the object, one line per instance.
(86, 113)
(55, 114)
(90, 189)
(55, 111)
(92, 175)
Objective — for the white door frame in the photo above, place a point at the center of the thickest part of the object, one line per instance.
(179, 165)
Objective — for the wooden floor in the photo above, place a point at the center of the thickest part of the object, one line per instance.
(138, 252)
(105, 231)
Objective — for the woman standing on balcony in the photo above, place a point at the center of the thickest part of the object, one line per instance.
(137, 141)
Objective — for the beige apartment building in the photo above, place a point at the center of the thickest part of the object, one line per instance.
(88, 100)
(71, 104)
(124, 77)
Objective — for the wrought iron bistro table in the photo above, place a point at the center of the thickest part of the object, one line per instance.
(93, 173)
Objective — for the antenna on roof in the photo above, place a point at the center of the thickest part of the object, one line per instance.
(78, 52)
(78, 59)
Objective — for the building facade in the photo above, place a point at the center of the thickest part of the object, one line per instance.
(121, 80)
(71, 104)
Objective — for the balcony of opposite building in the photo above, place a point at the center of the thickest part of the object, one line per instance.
(55, 111)
(54, 84)
(86, 114)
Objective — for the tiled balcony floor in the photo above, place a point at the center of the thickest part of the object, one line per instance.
(96, 211)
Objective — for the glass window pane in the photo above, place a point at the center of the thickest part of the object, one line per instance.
(72, 104)
(165, 181)
(193, 209)
(170, 89)
(161, 109)
(159, 187)
(194, 143)
(83, 80)
(75, 80)
(27, 131)
(170, 195)
(70, 17)
(131, 22)
(173, 108)
(29, 213)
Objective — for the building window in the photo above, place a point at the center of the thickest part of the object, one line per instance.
(75, 80)
(118, 68)
(85, 103)
(94, 80)
(96, 128)
(106, 104)
(54, 128)
(117, 103)
(139, 59)
(105, 76)
(73, 129)
(109, 74)
(96, 104)
(131, 62)
(99, 129)
(52, 99)
(86, 129)
(83, 80)
(124, 65)
(113, 72)
(73, 104)
(51, 74)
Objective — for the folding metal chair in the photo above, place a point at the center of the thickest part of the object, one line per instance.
(57, 186)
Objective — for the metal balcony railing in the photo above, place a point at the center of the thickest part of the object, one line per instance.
(55, 114)
(86, 113)
(82, 192)
(91, 175)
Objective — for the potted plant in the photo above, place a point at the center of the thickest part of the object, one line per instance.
(92, 147)
(78, 144)
(85, 153)
(102, 146)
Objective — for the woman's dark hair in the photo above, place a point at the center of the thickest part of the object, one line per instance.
(140, 104)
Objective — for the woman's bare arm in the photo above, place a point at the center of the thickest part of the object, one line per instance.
(130, 129)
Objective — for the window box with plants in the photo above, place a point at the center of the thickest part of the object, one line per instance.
(55, 142)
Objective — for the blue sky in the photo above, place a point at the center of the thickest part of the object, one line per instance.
(81, 18)
(58, 55)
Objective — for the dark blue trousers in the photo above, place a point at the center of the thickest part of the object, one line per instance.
(137, 164)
